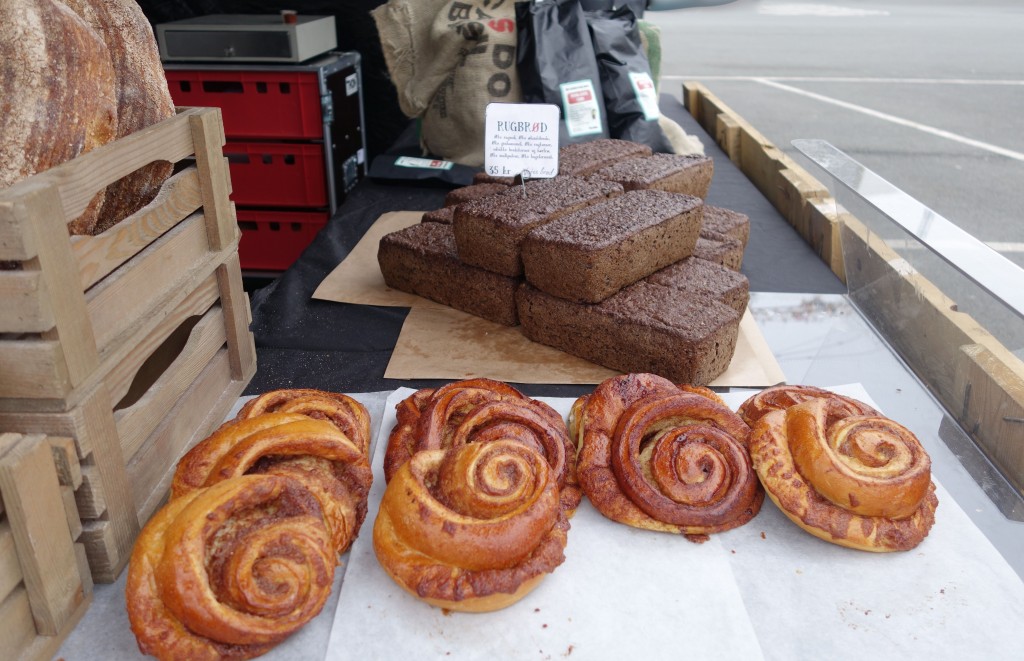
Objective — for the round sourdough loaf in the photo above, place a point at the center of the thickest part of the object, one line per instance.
(57, 96)
(142, 96)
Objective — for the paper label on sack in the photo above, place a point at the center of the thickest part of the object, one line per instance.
(643, 87)
(582, 109)
(428, 163)
(521, 138)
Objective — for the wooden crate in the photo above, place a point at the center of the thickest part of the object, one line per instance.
(45, 583)
(133, 343)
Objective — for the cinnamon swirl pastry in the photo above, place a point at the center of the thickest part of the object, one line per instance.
(471, 528)
(658, 457)
(477, 411)
(858, 480)
(345, 413)
(313, 452)
(784, 396)
(230, 570)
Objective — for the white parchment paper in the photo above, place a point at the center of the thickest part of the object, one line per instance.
(765, 590)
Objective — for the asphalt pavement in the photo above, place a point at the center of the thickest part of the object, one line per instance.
(928, 94)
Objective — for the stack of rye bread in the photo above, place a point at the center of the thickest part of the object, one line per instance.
(616, 260)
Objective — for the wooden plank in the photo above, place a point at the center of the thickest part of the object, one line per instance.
(122, 378)
(993, 408)
(25, 300)
(237, 317)
(58, 271)
(826, 233)
(28, 480)
(101, 550)
(98, 256)
(17, 628)
(121, 301)
(89, 497)
(728, 137)
(65, 459)
(82, 560)
(73, 424)
(199, 411)
(137, 422)
(33, 368)
(10, 568)
(110, 462)
(67, 497)
(79, 179)
(215, 181)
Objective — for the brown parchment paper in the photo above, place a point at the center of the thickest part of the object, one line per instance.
(438, 342)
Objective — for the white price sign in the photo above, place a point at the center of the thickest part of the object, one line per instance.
(521, 138)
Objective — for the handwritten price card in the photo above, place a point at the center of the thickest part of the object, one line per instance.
(521, 138)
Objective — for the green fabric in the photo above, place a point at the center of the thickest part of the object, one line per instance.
(650, 37)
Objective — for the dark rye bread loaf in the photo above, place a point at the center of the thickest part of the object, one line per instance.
(733, 224)
(474, 192)
(584, 158)
(442, 215)
(421, 260)
(720, 249)
(706, 278)
(644, 328)
(590, 254)
(488, 231)
(689, 174)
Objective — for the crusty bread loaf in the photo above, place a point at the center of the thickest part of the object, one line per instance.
(142, 96)
(57, 93)
(706, 278)
(731, 223)
(584, 158)
(720, 249)
(590, 254)
(421, 260)
(475, 192)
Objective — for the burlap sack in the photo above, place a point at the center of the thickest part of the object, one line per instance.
(448, 60)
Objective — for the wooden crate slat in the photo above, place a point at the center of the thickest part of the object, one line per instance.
(10, 569)
(65, 459)
(26, 303)
(31, 494)
(197, 302)
(208, 136)
(67, 497)
(238, 317)
(79, 179)
(73, 424)
(89, 497)
(17, 628)
(33, 368)
(99, 255)
(135, 423)
(101, 550)
(121, 300)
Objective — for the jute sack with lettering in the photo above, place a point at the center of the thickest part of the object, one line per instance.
(448, 59)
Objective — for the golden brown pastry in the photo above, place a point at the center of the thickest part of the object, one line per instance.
(784, 396)
(345, 413)
(658, 457)
(471, 528)
(860, 481)
(481, 410)
(230, 570)
(313, 452)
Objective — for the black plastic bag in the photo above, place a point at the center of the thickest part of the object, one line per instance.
(630, 99)
(556, 64)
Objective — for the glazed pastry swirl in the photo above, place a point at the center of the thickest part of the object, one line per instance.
(313, 452)
(472, 527)
(480, 411)
(229, 570)
(861, 481)
(782, 397)
(345, 413)
(657, 457)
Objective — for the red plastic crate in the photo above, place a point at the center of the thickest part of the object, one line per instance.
(272, 174)
(272, 240)
(268, 105)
